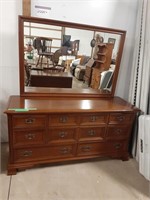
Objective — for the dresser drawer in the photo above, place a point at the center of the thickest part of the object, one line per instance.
(33, 154)
(92, 133)
(26, 137)
(118, 132)
(91, 148)
(61, 134)
(117, 118)
(117, 146)
(26, 121)
(94, 118)
(62, 119)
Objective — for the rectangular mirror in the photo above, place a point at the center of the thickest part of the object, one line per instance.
(68, 59)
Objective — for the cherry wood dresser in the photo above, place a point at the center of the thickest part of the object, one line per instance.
(51, 130)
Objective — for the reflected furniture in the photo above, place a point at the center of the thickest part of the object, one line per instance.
(56, 125)
(50, 78)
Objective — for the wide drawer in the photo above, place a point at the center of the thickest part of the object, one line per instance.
(62, 119)
(26, 137)
(118, 132)
(94, 118)
(118, 118)
(92, 133)
(33, 154)
(61, 134)
(26, 121)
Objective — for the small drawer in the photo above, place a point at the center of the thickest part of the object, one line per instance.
(118, 132)
(63, 119)
(61, 134)
(89, 119)
(26, 137)
(91, 149)
(33, 154)
(26, 121)
(92, 133)
(117, 118)
(117, 146)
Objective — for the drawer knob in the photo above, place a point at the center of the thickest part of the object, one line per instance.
(29, 121)
(91, 132)
(62, 134)
(63, 119)
(27, 153)
(65, 150)
(86, 148)
(30, 136)
(93, 118)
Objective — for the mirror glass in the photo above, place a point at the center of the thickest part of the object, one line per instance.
(68, 58)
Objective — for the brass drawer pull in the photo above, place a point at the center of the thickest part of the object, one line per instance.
(120, 118)
(65, 150)
(118, 131)
(30, 136)
(62, 134)
(93, 118)
(27, 153)
(86, 148)
(117, 146)
(91, 132)
(63, 119)
(29, 121)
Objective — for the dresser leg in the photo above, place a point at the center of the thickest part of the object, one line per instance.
(11, 171)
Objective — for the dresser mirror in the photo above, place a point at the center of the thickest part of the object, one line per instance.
(60, 58)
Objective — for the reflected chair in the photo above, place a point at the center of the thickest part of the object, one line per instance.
(43, 46)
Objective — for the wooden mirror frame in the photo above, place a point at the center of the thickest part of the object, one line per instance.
(62, 92)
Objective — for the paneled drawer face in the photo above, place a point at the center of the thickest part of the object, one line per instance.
(61, 134)
(91, 133)
(26, 121)
(91, 148)
(87, 119)
(117, 146)
(31, 154)
(63, 119)
(25, 137)
(120, 118)
(118, 132)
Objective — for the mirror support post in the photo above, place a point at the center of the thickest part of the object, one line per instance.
(26, 7)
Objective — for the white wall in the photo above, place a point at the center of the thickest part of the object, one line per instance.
(119, 14)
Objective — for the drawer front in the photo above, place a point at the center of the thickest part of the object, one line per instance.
(118, 118)
(118, 132)
(33, 154)
(26, 137)
(89, 119)
(26, 121)
(61, 134)
(63, 119)
(117, 146)
(92, 133)
(91, 149)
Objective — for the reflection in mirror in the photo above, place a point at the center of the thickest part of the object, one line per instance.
(65, 56)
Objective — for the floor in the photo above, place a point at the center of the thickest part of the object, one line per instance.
(95, 180)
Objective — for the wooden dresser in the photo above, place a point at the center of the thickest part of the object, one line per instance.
(45, 130)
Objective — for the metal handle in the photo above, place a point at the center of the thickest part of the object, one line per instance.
(27, 153)
(91, 132)
(65, 150)
(62, 134)
(86, 148)
(30, 136)
(117, 146)
(29, 120)
(63, 119)
(120, 118)
(118, 131)
(93, 118)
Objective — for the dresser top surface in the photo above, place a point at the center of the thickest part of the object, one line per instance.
(55, 105)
